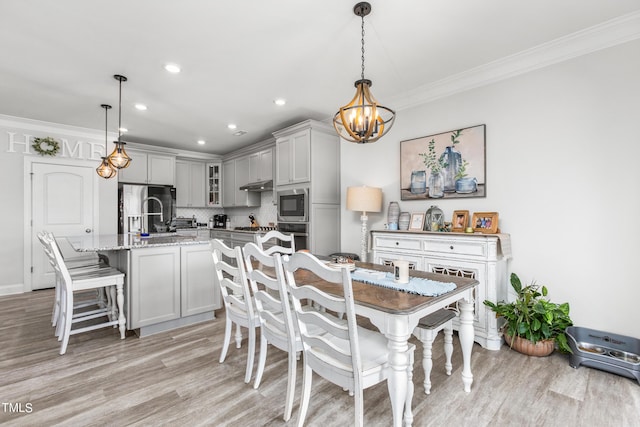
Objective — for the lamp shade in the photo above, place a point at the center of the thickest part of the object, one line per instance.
(364, 199)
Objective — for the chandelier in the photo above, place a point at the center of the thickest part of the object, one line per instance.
(363, 119)
(105, 170)
(119, 158)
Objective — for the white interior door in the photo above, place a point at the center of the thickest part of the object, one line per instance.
(62, 202)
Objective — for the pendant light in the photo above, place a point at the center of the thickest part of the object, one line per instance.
(119, 158)
(363, 119)
(105, 170)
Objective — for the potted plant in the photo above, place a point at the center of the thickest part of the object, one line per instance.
(533, 323)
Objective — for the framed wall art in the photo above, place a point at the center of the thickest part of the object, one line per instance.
(446, 165)
(485, 222)
(459, 221)
(417, 221)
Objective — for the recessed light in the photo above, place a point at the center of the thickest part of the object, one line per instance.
(201, 142)
(123, 130)
(240, 133)
(279, 102)
(172, 68)
(231, 126)
(141, 107)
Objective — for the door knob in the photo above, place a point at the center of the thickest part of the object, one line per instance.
(87, 230)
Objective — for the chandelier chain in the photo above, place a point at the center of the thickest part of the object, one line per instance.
(362, 41)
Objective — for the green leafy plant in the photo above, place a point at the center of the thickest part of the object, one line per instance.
(533, 316)
(462, 171)
(430, 159)
(455, 135)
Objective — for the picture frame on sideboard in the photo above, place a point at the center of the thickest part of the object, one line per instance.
(417, 221)
(485, 222)
(459, 221)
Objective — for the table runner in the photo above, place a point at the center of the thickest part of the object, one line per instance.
(416, 285)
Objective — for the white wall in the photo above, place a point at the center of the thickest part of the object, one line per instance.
(13, 218)
(563, 144)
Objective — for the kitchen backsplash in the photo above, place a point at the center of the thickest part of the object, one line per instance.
(239, 217)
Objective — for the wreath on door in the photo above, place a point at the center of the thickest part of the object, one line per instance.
(46, 146)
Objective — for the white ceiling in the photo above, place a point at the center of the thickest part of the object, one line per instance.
(58, 58)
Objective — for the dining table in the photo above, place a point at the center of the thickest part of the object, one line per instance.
(396, 314)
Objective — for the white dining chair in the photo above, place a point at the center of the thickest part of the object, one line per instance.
(231, 277)
(427, 331)
(276, 319)
(336, 355)
(276, 238)
(100, 278)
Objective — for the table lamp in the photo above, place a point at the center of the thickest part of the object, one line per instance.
(364, 199)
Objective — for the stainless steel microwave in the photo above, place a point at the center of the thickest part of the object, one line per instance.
(293, 205)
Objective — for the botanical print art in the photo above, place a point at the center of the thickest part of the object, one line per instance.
(446, 165)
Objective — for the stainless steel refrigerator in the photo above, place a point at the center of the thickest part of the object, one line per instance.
(145, 208)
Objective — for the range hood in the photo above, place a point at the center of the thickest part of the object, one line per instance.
(258, 186)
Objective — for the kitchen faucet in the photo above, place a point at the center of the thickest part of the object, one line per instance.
(146, 200)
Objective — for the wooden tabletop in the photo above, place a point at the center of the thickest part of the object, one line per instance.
(385, 299)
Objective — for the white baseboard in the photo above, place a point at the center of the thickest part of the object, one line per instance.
(16, 288)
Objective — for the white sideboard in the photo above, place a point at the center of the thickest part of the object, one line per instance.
(478, 256)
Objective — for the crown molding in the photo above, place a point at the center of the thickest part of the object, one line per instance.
(607, 34)
(49, 127)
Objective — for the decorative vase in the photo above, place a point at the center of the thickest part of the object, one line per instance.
(466, 185)
(403, 221)
(393, 212)
(418, 182)
(434, 219)
(452, 160)
(436, 185)
(524, 346)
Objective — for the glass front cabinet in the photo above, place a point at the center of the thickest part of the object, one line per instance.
(214, 185)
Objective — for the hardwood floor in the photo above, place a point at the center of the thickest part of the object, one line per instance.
(174, 378)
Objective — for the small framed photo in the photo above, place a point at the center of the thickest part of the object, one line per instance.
(459, 221)
(417, 221)
(485, 222)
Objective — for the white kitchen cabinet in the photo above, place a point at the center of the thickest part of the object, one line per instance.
(214, 184)
(476, 256)
(198, 290)
(261, 165)
(154, 291)
(293, 158)
(309, 152)
(149, 168)
(190, 184)
(236, 173)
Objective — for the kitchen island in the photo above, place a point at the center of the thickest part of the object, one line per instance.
(169, 279)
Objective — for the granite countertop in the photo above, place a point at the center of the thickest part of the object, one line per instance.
(114, 242)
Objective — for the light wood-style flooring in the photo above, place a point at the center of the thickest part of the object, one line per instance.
(174, 378)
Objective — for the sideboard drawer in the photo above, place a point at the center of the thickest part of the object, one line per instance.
(458, 248)
(400, 243)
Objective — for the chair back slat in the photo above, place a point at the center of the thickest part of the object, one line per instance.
(279, 238)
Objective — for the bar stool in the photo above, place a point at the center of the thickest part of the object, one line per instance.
(100, 278)
(427, 331)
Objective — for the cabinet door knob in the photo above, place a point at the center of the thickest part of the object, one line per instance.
(87, 230)
(397, 243)
(451, 247)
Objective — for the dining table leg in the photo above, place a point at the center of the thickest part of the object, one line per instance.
(466, 334)
(398, 377)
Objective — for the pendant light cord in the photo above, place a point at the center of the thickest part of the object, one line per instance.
(362, 41)
(106, 135)
(120, 110)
